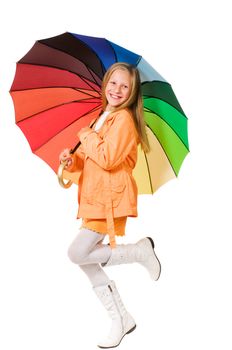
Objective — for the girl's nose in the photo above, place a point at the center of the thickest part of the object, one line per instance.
(117, 88)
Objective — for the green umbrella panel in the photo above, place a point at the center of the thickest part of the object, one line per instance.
(166, 126)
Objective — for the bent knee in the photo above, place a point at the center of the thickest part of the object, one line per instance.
(76, 255)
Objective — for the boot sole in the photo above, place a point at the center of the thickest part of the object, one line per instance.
(153, 247)
(109, 347)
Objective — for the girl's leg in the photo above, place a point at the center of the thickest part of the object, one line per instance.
(107, 293)
(122, 321)
(87, 248)
(88, 252)
(96, 274)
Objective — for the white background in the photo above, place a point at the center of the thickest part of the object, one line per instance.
(46, 302)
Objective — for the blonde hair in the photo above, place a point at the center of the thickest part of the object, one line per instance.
(134, 103)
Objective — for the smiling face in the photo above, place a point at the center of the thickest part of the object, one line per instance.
(118, 88)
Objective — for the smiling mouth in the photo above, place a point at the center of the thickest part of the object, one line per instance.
(115, 96)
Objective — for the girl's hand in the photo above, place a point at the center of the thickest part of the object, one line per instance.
(65, 157)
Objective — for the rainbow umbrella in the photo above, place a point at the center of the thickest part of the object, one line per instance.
(57, 90)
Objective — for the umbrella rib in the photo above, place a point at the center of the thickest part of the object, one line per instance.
(58, 87)
(66, 53)
(64, 87)
(140, 58)
(65, 70)
(149, 174)
(91, 49)
(163, 150)
(161, 99)
(80, 90)
(116, 59)
(157, 114)
(114, 53)
(86, 93)
(91, 111)
(113, 50)
(62, 104)
(90, 72)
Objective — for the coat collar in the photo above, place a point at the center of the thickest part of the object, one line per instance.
(109, 118)
(113, 113)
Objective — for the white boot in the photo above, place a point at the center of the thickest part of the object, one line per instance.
(122, 321)
(141, 252)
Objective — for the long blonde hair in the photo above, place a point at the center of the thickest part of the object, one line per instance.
(134, 103)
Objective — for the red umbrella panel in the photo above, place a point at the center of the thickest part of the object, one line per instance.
(55, 95)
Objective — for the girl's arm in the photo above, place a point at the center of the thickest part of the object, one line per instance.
(110, 151)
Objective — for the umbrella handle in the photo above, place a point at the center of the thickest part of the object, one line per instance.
(60, 176)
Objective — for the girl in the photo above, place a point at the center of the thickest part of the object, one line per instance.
(107, 193)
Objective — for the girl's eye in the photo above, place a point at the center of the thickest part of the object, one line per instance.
(125, 87)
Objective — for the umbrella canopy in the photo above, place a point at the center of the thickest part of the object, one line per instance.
(57, 90)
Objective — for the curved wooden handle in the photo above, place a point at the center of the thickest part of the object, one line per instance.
(60, 176)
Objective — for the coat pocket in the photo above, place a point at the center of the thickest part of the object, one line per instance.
(117, 192)
(95, 196)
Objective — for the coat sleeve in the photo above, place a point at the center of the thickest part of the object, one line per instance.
(80, 152)
(111, 150)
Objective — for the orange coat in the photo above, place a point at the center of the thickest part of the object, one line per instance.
(107, 188)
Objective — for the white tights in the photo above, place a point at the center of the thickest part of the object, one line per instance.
(88, 251)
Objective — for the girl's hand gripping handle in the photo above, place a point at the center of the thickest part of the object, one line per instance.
(65, 162)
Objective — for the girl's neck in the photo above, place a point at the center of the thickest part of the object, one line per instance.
(108, 108)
